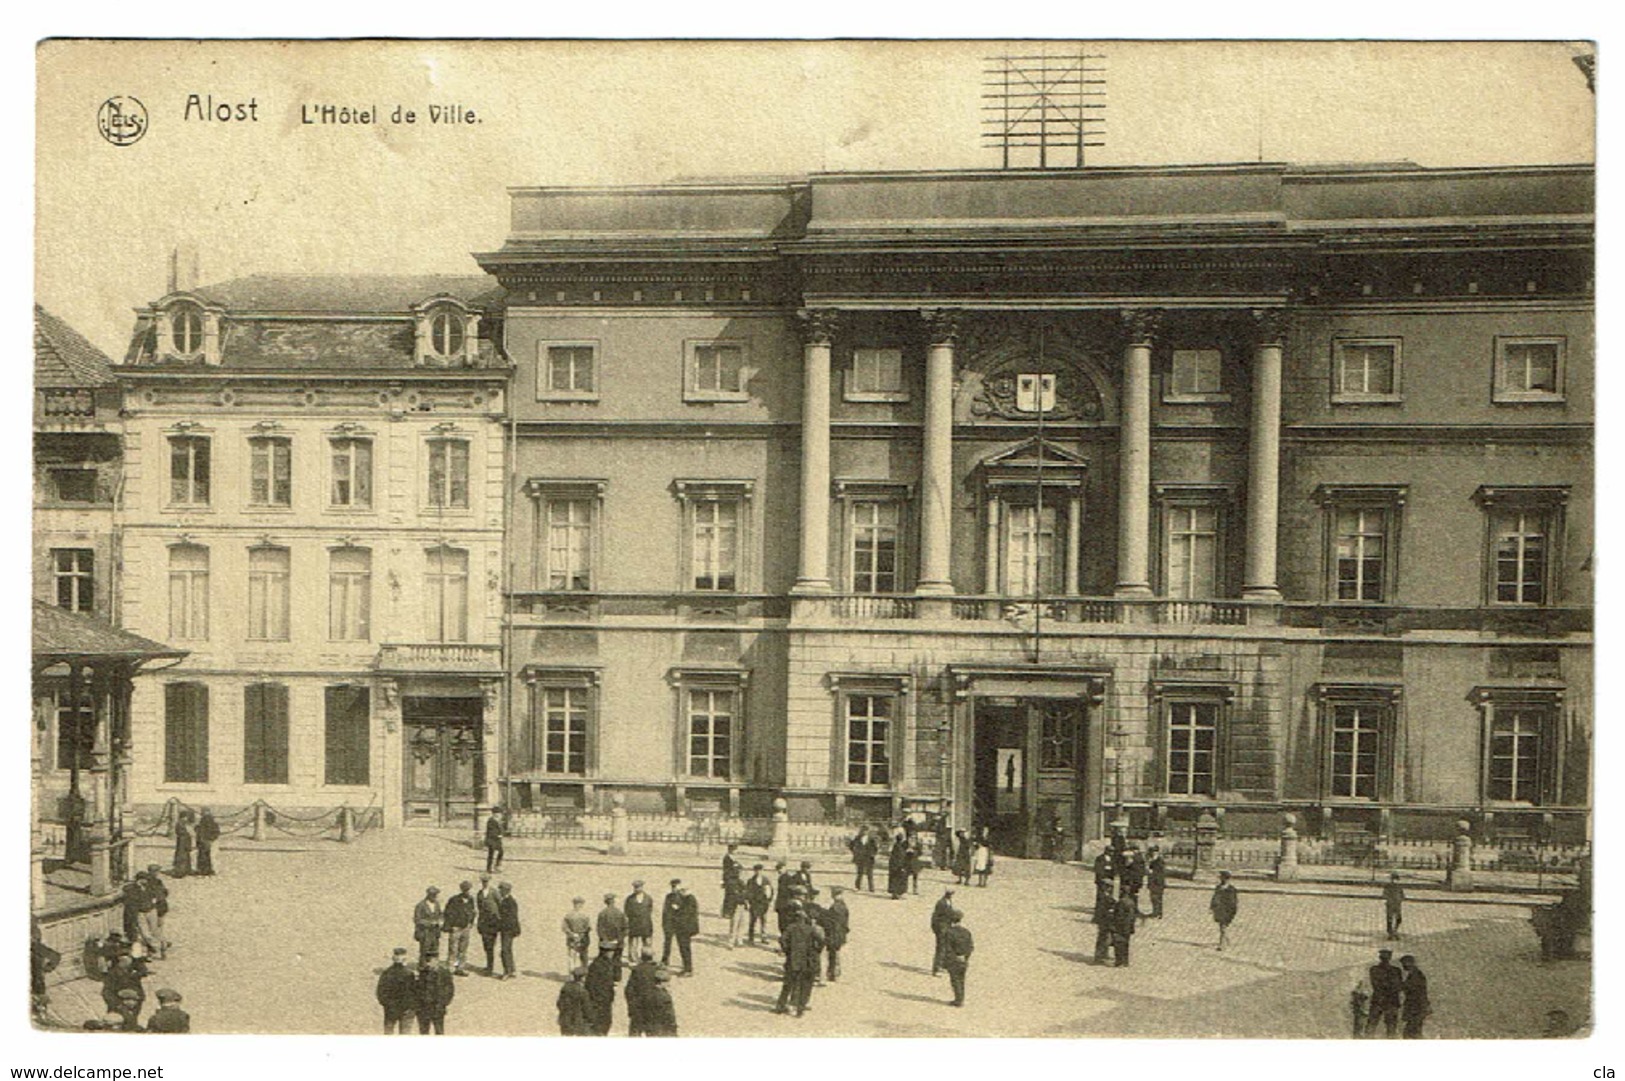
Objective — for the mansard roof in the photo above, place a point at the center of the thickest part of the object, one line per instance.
(63, 358)
(347, 294)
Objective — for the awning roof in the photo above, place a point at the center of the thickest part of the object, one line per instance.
(60, 635)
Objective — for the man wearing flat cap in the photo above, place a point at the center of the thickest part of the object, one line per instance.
(397, 994)
(427, 920)
(169, 1016)
(802, 942)
(1387, 981)
(601, 977)
(612, 928)
(434, 990)
(659, 1012)
(508, 927)
(957, 946)
(575, 1008)
(759, 896)
(837, 925)
(939, 923)
(638, 986)
(461, 911)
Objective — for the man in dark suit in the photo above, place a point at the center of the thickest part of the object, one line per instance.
(459, 922)
(837, 925)
(601, 977)
(612, 927)
(865, 850)
(575, 1008)
(507, 927)
(783, 895)
(638, 986)
(1156, 879)
(957, 946)
(397, 994)
(680, 920)
(1131, 875)
(939, 923)
(433, 992)
(1387, 983)
(1417, 1006)
(815, 913)
(640, 920)
(659, 1012)
(802, 942)
(488, 921)
(759, 896)
(733, 872)
(427, 921)
(1223, 905)
(1125, 917)
(495, 829)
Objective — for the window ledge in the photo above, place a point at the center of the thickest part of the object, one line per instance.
(189, 508)
(1367, 399)
(575, 396)
(1529, 397)
(712, 397)
(1215, 398)
(368, 512)
(876, 396)
(266, 508)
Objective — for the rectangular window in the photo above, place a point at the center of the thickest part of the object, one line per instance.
(1518, 753)
(189, 470)
(1195, 373)
(715, 548)
(868, 738)
(564, 713)
(348, 726)
(1520, 537)
(1058, 725)
(877, 375)
(265, 733)
(270, 471)
(1032, 556)
(716, 371)
(74, 485)
(569, 371)
(875, 533)
(268, 573)
(710, 725)
(186, 733)
(448, 473)
(188, 593)
(1193, 551)
(1357, 730)
(349, 594)
(1528, 369)
(569, 543)
(352, 473)
(75, 730)
(74, 571)
(1361, 551)
(1365, 370)
(446, 595)
(1193, 741)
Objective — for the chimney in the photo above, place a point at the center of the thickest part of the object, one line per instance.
(183, 268)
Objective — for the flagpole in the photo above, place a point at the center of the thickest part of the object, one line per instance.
(1038, 514)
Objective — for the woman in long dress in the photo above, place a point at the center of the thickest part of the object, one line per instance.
(897, 867)
(208, 832)
(183, 845)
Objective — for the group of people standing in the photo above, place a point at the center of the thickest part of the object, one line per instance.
(195, 836)
(1397, 993)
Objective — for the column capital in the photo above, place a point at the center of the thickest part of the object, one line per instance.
(1141, 324)
(942, 325)
(1269, 326)
(818, 325)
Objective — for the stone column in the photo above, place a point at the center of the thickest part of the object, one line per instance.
(1074, 544)
(492, 728)
(778, 845)
(937, 464)
(1460, 875)
(990, 569)
(98, 817)
(620, 829)
(817, 330)
(1134, 457)
(1286, 868)
(1264, 460)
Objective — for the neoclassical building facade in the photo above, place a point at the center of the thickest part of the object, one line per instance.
(1043, 497)
(313, 505)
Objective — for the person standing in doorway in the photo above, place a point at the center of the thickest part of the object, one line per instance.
(1223, 905)
(496, 828)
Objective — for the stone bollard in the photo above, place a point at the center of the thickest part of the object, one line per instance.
(620, 829)
(778, 848)
(259, 821)
(1286, 868)
(1460, 876)
(346, 824)
(1207, 839)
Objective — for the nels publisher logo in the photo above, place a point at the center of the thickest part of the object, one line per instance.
(122, 120)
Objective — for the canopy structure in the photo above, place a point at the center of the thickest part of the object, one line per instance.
(83, 668)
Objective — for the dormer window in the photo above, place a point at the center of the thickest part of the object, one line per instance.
(446, 333)
(186, 329)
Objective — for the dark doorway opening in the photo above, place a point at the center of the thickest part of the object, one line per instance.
(441, 759)
(1029, 777)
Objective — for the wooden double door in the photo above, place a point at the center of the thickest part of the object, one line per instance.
(441, 759)
(1029, 775)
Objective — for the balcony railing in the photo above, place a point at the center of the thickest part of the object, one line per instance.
(573, 606)
(67, 402)
(1100, 610)
(440, 657)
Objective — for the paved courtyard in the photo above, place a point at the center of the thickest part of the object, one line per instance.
(291, 941)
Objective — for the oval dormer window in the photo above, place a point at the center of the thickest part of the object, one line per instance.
(446, 333)
(186, 329)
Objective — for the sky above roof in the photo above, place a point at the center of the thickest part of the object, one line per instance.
(279, 195)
